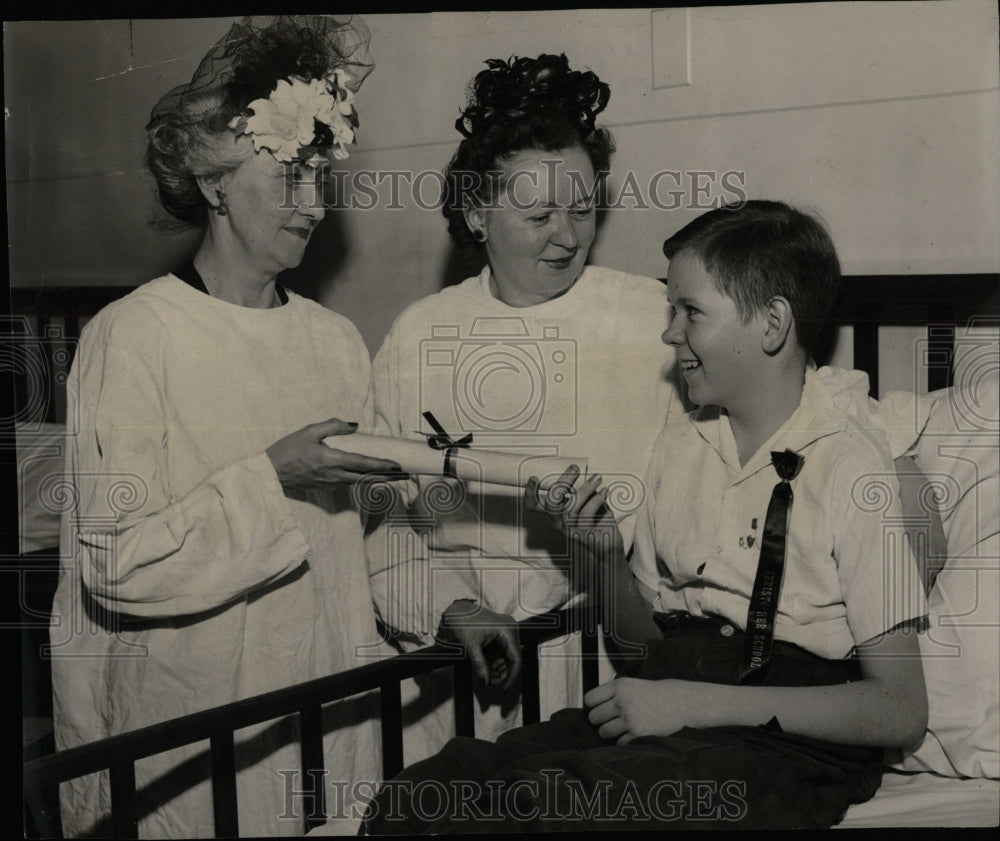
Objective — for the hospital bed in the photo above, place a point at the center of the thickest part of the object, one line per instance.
(953, 779)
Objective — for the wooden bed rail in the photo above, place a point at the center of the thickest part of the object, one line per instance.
(118, 754)
(942, 302)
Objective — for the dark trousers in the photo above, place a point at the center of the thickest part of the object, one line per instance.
(560, 775)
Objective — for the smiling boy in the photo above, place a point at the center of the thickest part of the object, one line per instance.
(774, 621)
(833, 656)
(749, 289)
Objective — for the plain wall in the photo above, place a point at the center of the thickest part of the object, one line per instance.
(881, 116)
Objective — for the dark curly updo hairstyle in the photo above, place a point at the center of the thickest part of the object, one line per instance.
(519, 104)
(188, 131)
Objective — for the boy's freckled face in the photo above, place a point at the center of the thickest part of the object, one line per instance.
(717, 353)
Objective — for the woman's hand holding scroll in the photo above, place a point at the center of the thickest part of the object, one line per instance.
(302, 460)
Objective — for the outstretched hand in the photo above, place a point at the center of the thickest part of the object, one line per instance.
(579, 510)
(491, 642)
(302, 460)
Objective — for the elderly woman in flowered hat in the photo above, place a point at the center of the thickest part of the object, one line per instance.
(213, 551)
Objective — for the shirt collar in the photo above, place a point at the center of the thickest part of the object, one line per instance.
(816, 417)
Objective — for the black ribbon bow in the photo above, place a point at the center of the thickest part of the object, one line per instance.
(770, 569)
(443, 441)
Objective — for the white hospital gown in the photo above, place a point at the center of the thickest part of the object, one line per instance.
(214, 585)
(583, 375)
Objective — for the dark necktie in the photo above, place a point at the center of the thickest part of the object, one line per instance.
(770, 567)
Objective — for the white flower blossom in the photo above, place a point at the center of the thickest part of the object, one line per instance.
(284, 123)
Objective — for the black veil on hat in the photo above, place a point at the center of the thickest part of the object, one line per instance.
(248, 62)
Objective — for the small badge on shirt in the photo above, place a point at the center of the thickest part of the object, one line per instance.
(749, 541)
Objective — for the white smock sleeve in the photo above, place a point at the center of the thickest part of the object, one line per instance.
(147, 548)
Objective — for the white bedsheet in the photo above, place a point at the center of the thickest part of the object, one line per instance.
(912, 800)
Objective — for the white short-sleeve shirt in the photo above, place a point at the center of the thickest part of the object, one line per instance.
(849, 574)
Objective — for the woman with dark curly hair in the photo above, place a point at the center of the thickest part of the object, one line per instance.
(213, 551)
(527, 356)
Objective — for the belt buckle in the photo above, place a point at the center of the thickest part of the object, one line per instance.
(668, 623)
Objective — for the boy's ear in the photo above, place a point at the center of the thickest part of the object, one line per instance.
(779, 322)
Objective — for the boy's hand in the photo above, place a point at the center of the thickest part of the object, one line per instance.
(625, 708)
(582, 513)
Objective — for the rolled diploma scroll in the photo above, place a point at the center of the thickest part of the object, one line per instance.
(473, 464)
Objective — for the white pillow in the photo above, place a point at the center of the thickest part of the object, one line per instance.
(959, 452)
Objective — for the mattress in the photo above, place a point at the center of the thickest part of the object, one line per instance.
(924, 799)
